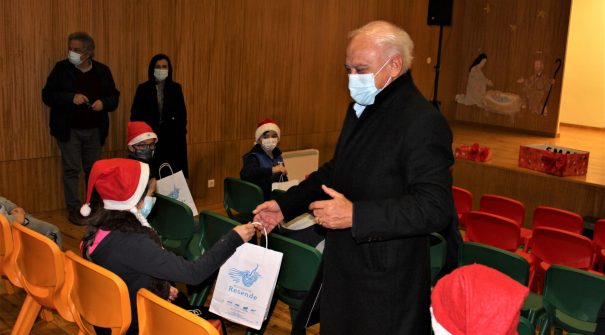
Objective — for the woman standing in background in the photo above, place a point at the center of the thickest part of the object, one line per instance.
(160, 103)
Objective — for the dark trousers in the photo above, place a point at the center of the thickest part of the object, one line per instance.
(79, 153)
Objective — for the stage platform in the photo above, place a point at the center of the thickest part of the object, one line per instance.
(584, 195)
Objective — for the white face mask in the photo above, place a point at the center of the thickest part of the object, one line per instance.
(74, 58)
(160, 74)
(268, 144)
(363, 88)
(147, 206)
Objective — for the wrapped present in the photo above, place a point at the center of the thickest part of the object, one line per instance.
(553, 160)
(473, 152)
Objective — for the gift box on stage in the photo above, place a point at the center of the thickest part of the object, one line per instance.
(473, 152)
(553, 160)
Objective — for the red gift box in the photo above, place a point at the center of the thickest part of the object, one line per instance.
(473, 152)
(553, 160)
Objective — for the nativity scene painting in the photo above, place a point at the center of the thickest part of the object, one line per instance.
(509, 70)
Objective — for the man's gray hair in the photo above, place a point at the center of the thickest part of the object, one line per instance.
(88, 43)
(391, 38)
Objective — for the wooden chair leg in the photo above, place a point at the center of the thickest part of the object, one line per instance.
(8, 287)
(46, 315)
(27, 316)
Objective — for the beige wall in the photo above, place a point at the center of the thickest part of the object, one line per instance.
(583, 96)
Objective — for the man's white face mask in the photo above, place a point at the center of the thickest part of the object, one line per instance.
(363, 87)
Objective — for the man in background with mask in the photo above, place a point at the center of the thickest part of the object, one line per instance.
(385, 189)
(141, 143)
(80, 92)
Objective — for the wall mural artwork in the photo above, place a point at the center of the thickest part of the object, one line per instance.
(511, 62)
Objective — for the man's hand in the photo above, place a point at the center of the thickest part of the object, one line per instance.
(280, 169)
(19, 214)
(97, 106)
(269, 214)
(173, 293)
(333, 214)
(80, 99)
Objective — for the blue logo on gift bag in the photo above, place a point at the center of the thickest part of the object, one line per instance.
(175, 193)
(248, 278)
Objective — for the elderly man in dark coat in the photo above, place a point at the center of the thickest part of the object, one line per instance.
(386, 188)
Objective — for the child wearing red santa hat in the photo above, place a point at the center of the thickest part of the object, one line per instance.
(141, 143)
(263, 164)
(120, 239)
(475, 300)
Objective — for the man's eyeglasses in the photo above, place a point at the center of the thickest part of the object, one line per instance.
(150, 146)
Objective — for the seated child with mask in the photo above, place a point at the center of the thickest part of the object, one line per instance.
(141, 144)
(120, 239)
(263, 166)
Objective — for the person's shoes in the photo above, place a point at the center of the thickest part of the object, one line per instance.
(75, 218)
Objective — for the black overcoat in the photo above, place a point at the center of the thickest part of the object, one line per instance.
(58, 93)
(171, 128)
(392, 163)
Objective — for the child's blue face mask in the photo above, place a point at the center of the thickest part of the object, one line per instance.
(147, 206)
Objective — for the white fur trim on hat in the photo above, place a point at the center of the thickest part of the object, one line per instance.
(135, 198)
(266, 127)
(85, 210)
(142, 137)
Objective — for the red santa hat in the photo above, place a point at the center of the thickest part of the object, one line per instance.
(264, 125)
(120, 183)
(477, 299)
(139, 131)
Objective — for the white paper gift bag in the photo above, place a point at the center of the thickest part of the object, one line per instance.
(175, 186)
(245, 285)
(284, 185)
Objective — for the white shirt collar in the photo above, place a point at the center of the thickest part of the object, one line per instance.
(359, 109)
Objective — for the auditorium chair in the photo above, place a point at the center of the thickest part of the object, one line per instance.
(552, 217)
(98, 297)
(511, 264)
(551, 246)
(507, 207)
(159, 317)
(241, 198)
(572, 299)
(41, 270)
(463, 200)
(8, 268)
(598, 238)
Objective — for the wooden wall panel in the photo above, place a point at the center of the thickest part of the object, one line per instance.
(237, 61)
(531, 188)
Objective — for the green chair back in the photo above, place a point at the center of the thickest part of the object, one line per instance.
(525, 327)
(438, 250)
(572, 298)
(504, 261)
(215, 226)
(242, 197)
(299, 267)
(174, 222)
(300, 263)
(508, 263)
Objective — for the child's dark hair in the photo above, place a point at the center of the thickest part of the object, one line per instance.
(123, 221)
(113, 220)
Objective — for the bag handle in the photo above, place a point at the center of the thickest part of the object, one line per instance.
(264, 231)
(163, 166)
